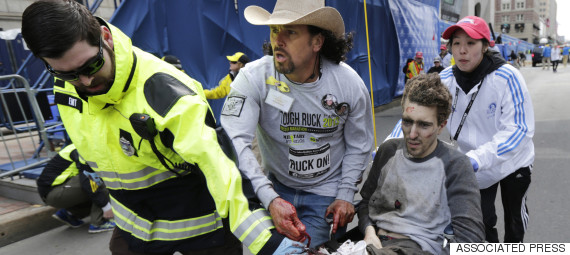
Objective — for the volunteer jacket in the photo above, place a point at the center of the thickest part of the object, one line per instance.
(157, 209)
(498, 130)
(64, 166)
(222, 89)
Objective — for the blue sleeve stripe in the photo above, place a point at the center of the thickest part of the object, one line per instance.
(446, 74)
(516, 138)
(517, 96)
(397, 131)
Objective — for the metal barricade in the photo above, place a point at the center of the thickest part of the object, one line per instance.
(23, 130)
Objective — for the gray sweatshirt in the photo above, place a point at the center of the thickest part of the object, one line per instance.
(316, 145)
(418, 198)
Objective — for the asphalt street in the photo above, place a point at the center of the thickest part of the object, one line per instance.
(548, 196)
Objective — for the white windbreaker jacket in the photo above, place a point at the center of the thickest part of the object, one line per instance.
(498, 130)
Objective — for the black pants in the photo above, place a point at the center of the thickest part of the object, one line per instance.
(555, 65)
(513, 196)
(119, 246)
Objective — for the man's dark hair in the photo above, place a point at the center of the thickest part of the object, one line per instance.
(427, 90)
(334, 48)
(50, 28)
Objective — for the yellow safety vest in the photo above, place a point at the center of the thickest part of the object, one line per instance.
(414, 69)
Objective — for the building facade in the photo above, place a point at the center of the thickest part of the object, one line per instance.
(547, 12)
(480, 8)
(528, 20)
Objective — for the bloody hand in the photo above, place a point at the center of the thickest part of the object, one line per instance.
(286, 221)
(343, 213)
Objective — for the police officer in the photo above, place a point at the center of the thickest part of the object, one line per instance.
(146, 128)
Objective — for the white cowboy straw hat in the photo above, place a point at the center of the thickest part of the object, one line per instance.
(298, 12)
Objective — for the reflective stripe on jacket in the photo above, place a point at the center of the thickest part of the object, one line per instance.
(414, 69)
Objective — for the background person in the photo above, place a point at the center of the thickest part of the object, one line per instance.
(436, 68)
(448, 60)
(514, 58)
(414, 68)
(442, 51)
(546, 52)
(237, 61)
(522, 58)
(492, 123)
(565, 52)
(173, 60)
(555, 57)
(313, 119)
(72, 186)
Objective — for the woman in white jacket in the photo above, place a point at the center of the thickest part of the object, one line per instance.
(555, 57)
(492, 122)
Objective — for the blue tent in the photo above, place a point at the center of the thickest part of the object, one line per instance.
(202, 32)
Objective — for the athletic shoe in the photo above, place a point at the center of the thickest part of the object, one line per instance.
(106, 226)
(66, 217)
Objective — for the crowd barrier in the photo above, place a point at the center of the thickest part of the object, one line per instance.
(30, 129)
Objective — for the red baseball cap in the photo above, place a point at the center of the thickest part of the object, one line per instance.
(419, 54)
(474, 26)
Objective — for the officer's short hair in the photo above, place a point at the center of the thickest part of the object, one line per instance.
(50, 28)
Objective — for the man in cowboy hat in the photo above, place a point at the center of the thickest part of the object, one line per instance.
(312, 114)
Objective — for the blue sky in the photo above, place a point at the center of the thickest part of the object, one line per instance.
(563, 17)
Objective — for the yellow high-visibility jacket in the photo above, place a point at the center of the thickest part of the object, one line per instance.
(414, 69)
(222, 89)
(157, 209)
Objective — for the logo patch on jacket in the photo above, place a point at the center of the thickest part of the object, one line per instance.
(68, 100)
(126, 142)
(491, 110)
(233, 106)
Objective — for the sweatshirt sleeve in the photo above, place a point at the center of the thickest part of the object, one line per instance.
(516, 124)
(221, 90)
(239, 118)
(464, 201)
(196, 142)
(359, 140)
(371, 184)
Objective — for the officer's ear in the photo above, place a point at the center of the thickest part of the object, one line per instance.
(107, 37)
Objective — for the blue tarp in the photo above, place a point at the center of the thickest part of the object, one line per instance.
(418, 30)
(201, 33)
(513, 44)
(15, 46)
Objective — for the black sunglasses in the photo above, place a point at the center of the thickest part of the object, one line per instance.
(233, 62)
(91, 67)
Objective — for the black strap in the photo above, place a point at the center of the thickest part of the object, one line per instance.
(128, 83)
(466, 109)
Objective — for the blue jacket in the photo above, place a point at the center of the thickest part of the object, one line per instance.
(546, 52)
